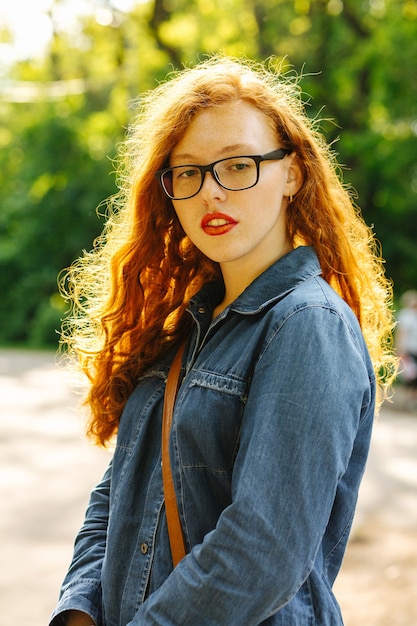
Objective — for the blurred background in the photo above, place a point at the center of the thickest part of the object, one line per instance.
(70, 74)
(70, 71)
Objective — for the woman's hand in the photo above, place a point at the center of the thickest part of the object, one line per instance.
(78, 618)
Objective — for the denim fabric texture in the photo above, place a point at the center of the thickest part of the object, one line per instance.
(270, 436)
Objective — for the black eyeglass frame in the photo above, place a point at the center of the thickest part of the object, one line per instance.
(275, 155)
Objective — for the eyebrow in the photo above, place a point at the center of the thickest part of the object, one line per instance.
(245, 149)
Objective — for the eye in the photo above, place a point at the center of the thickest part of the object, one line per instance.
(239, 164)
(186, 172)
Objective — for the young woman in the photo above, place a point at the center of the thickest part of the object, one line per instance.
(234, 234)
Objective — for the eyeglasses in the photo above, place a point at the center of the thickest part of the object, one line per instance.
(234, 174)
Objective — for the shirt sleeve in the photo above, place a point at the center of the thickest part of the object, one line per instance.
(309, 390)
(81, 589)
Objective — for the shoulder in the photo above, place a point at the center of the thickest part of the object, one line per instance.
(314, 298)
(313, 319)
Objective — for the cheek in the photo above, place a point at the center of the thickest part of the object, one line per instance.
(184, 217)
(270, 198)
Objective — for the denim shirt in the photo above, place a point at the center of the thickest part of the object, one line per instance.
(269, 441)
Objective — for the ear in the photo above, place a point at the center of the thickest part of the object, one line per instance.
(294, 177)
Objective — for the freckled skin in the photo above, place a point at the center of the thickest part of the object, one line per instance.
(255, 234)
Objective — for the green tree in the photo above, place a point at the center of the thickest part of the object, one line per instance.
(59, 129)
(48, 215)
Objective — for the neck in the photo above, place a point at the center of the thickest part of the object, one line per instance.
(237, 277)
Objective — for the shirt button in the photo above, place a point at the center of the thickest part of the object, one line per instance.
(201, 310)
(144, 548)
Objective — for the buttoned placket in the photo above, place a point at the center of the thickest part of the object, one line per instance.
(205, 326)
(149, 527)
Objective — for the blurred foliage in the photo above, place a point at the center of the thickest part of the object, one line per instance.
(62, 116)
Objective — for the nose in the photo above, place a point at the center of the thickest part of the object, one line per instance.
(211, 189)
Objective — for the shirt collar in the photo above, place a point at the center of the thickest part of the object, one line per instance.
(274, 283)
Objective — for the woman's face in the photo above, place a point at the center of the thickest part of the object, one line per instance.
(245, 231)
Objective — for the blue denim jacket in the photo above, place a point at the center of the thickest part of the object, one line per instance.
(269, 441)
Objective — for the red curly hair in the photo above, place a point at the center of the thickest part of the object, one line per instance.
(130, 293)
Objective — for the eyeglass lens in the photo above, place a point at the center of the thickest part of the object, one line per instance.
(235, 173)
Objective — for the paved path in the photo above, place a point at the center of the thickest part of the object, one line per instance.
(47, 470)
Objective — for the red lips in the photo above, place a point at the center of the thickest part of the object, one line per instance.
(217, 223)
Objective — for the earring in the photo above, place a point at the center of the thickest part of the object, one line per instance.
(290, 198)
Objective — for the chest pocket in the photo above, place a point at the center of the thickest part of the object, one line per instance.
(208, 420)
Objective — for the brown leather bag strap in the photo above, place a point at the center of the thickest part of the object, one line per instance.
(176, 538)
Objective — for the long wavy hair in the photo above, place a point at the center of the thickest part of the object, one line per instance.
(129, 294)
